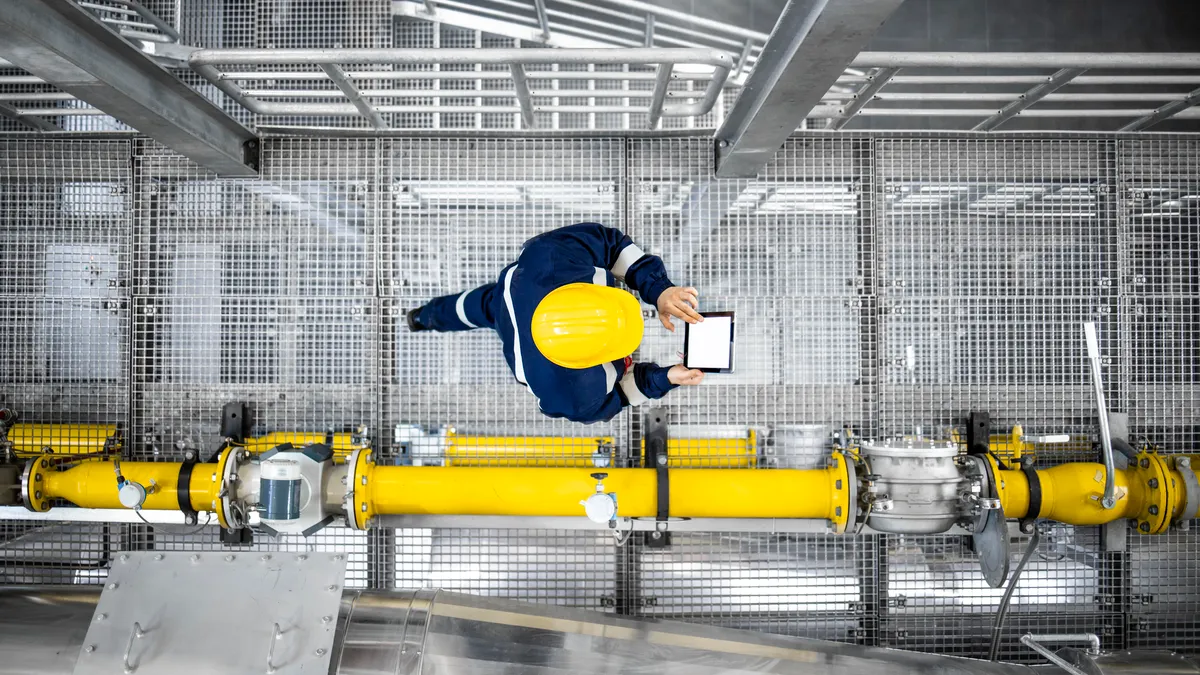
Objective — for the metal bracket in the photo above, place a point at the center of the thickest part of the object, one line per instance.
(979, 432)
(656, 458)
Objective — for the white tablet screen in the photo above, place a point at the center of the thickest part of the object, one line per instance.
(709, 343)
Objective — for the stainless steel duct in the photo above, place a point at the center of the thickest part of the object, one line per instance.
(42, 630)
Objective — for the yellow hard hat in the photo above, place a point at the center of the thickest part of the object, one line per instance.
(585, 325)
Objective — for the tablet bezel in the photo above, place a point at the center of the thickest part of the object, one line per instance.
(732, 337)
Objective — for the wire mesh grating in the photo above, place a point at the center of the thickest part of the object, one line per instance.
(289, 292)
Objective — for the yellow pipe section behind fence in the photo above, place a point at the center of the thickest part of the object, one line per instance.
(34, 439)
(342, 443)
(563, 451)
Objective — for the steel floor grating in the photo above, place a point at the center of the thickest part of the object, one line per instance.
(138, 289)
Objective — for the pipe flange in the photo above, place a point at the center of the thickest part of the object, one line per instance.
(845, 493)
(33, 481)
(1184, 466)
(1161, 494)
(355, 503)
(988, 489)
(231, 514)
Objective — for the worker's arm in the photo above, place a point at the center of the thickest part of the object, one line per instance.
(641, 383)
(594, 245)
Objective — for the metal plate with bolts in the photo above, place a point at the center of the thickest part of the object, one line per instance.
(210, 613)
(991, 530)
(991, 543)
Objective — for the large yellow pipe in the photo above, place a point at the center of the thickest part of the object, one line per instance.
(694, 493)
(1151, 491)
(93, 485)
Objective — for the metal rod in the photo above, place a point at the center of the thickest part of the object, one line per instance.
(1034, 79)
(402, 93)
(649, 40)
(1029, 98)
(28, 120)
(154, 19)
(1049, 98)
(1091, 639)
(498, 56)
(524, 97)
(660, 28)
(1026, 60)
(660, 93)
(251, 76)
(339, 78)
(1093, 350)
(543, 22)
(1050, 656)
(832, 111)
(743, 58)
(1167, 111)
(683, 17)
(862, 97)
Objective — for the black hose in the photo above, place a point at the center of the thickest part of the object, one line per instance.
(1002, 610)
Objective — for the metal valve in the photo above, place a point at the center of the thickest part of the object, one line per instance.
(601, 507)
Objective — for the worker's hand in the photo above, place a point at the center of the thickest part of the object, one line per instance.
(681, 303)
(680, 374)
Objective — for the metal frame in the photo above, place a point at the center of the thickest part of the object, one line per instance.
(808, 50)
(316, 101)
(66, 46)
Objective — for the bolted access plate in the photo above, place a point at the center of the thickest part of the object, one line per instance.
(215, 613)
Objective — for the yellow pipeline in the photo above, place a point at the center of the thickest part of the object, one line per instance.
(93, 484)
(695, 493)
(32, 439)
(568, 451)
(343, 443)
(1150, 491)
(563, 451)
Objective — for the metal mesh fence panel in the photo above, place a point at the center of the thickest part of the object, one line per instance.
(881, 282)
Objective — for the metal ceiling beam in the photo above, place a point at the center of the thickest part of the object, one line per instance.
(32, 121)
(1052, 84)
(66, 46)
(1165, 112)
(812, 44)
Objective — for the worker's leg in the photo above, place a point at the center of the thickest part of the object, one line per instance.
(461, 311)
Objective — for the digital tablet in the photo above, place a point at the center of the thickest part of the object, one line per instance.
(708, 345)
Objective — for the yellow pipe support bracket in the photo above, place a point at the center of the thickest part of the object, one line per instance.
(518, 491)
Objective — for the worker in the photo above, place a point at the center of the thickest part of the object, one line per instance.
(568, 335)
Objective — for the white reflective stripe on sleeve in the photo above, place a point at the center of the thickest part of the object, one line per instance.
(629, 255)
(632, 393)
(518, 366)
(600, 277)
(610, 377)
(462, 311)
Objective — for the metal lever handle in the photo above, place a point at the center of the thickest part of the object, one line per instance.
(276, 636)
(136, 634)
(1093, 348)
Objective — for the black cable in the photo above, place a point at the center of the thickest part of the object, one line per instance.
(206, 523)
(1002, 610)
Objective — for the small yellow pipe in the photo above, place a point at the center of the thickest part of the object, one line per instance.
(31, 439)
(343, 442)
(695, 493)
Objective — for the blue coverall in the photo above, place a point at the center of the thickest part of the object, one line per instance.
(583, 253)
